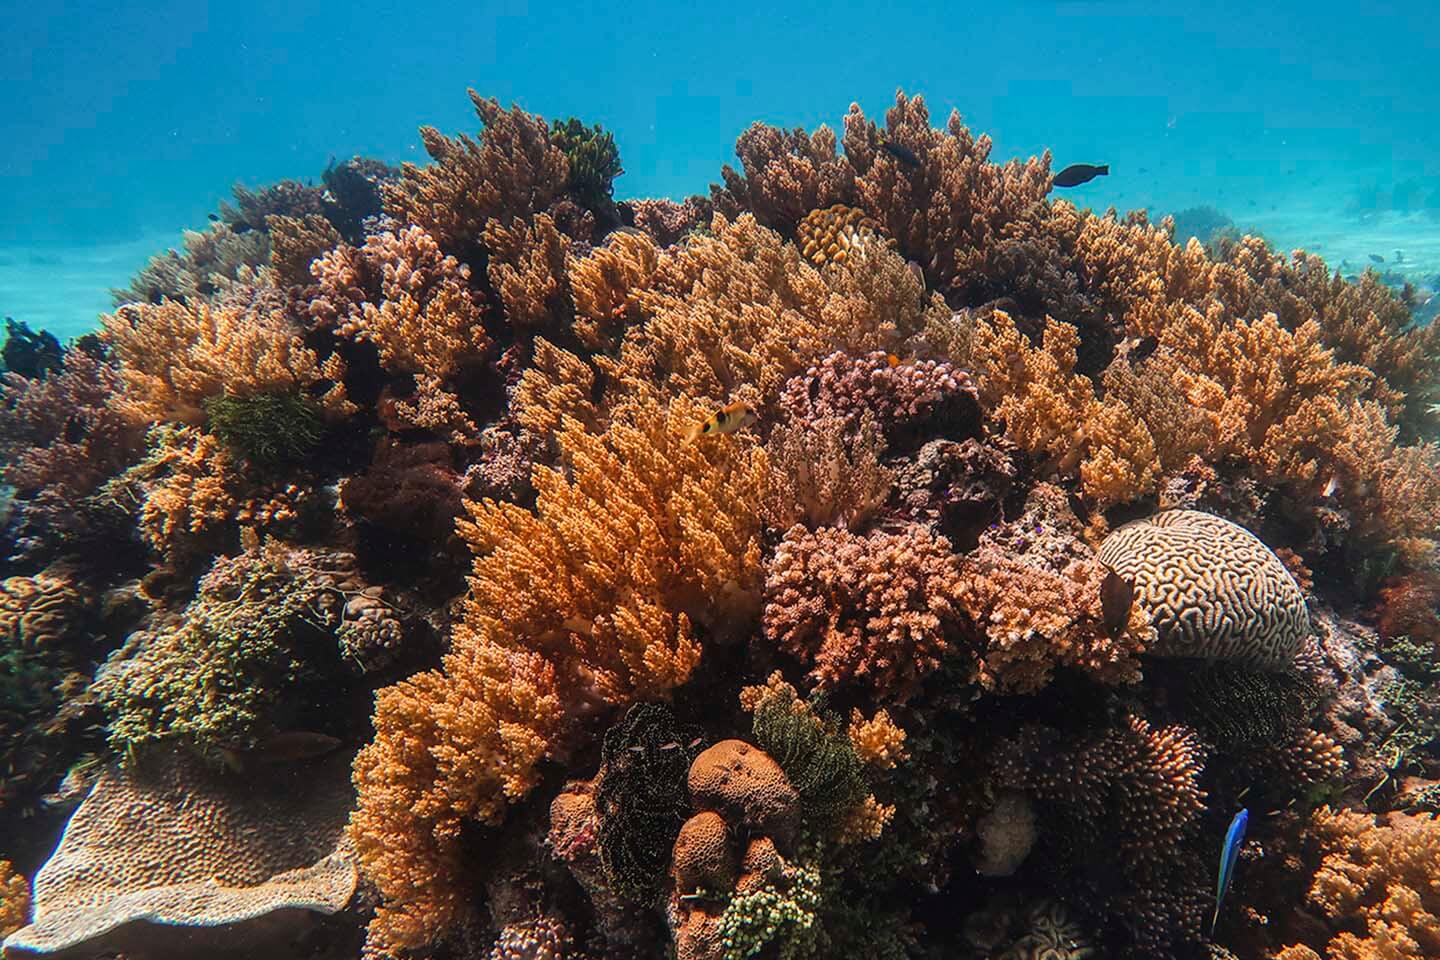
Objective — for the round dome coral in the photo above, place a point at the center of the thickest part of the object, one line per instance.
(1212, 588)
(703, 856)
(735, 777)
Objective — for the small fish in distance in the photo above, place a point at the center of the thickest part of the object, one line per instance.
(1376, 258)
(728, 419)
(214, 218)
(1229, 851)
(1117, 594)
(1078, 173)
(904, 154)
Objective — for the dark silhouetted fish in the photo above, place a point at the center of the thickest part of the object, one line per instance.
(1376, 258)
(214, 218)
(295, 746)
(1116, 596)
(1078, 173)
(1399, 256)
(904, 154)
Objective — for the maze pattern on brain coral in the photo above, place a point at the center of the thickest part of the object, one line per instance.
(1213, 589)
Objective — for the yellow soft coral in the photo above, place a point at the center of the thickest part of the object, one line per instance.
(591, 599)
(606, 283)
(172, 357)
(14, 899)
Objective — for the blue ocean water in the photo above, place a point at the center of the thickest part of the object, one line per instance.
(1311, 123)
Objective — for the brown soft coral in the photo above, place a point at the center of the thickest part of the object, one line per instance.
(513, 171)
(876, 610)
(589, 600)
(527, 269)
(788, 173)
(14, 899)
(604, 283)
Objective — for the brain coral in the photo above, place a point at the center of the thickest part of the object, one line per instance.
(214, 853)
(1211, 587)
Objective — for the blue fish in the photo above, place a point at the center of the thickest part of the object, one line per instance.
(1229, 850)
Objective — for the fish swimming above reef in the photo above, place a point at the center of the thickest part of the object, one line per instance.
(1078, 173)
(728, 419)
(1117, 594)
(1229, 850)
(1376, 258)
(904, 154)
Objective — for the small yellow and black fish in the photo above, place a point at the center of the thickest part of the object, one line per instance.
(1117, 594)
(902, 153)
(1078, 173)
(728, 419)
(1137, 349)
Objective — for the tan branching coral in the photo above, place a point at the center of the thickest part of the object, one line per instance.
(824, 473)
(788, 173)
(604, 286)
(295, 242)
(589, 600)
(513, 171)
(527, 269)
(172, 357)
(14, 899)
(952, 210)
(875, 610)
(878, 742)
(190, 484)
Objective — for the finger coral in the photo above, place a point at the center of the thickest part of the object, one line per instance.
(1211, 587)
(593, 599)
(876, 610)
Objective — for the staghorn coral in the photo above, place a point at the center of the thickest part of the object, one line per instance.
(670, 540)
(295, 242)
(172, 357)
(1211, 587)
(1127, 798)
(514, 171)
(14, 899)
(788, 173)
(875, 611)
(216, 857)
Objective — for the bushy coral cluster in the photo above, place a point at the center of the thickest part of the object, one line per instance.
(1033, 544)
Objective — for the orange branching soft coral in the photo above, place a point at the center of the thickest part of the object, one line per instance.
(878, 742)
(1379, 884)
(527, 269)
(1034, 390)
(295, 242)
(513, 171)
(190, 484)
(788, 173)
(14, 899)
(604, 285)
(173, 356)
(823, 473)
(742, 307)
(557, 385)
(952, 210)
(875, 610)
(592, 599)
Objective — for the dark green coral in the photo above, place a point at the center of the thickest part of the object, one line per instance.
(816, 756)
(594, 161)
(642, 798)
(1240, 709)
(268, 429)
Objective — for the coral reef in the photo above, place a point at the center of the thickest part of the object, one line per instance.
(1031, 544)
(14, 899)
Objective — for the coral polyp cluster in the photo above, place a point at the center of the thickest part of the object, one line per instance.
(874, 557)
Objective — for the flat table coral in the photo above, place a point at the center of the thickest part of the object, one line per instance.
(217, 855)
(1213, 589)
